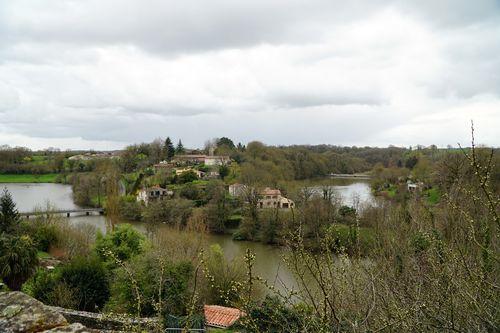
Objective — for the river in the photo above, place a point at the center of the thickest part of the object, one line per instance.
(268, 264)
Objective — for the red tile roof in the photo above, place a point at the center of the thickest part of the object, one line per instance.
(269, 191)
(221, 316)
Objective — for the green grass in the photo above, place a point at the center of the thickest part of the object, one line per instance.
(28, 178)
(43, 255)
(433, 196)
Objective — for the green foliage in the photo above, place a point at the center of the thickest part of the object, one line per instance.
(224, 279)
(122, 243)
(187, 177)
(45, 236)
(223, 171)
(18, 260)
(349, 239)
(130, 209)
(9, 216)
(88, 279)
(81, 284)
(420, 242)
(180, 148)
(272, 315)
(153, 284)
(191, 192)
(433, 195)
(169, 150)
(174, 212)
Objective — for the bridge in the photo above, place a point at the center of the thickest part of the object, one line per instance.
(349, 175)
(68, 212)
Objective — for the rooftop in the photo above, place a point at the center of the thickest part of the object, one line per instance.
(221, 316)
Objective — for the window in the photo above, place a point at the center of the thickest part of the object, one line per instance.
(284, 205)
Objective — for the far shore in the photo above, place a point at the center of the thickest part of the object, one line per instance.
(28, 178)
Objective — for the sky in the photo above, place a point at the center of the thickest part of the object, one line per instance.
(101, 75)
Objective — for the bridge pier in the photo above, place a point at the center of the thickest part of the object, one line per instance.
(67, 214)
(88, 213)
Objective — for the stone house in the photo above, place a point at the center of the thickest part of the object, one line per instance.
(272, 198)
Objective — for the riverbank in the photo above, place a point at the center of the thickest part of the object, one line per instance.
(28, 178)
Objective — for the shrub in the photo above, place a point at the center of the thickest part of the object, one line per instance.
(124, 242)
(88, 279)
(130, 209)
(175, 212)
(18, 260)
(153, 275)
(223, 278)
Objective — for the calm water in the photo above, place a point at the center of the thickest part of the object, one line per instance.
(268, 263)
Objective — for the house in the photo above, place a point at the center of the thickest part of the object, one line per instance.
(153, 193)
(272, 198)
(163, 165)
(217, 160)
(221, 316)
(180, 171)
(412, 187)
(201, 159)
(237, 190)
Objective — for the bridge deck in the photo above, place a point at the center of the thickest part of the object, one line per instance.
(65, 211)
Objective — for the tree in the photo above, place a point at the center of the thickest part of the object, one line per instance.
(223, 171)
(169, 149)
(180, 148)
(88, 279)
(225, 142)
(9, 216)
(18, 260)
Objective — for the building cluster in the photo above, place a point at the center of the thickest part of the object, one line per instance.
(94, 156)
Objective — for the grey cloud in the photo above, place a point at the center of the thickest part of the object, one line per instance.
(301, 99)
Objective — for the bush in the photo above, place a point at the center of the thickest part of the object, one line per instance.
(130, 209)
(273, 316)
(223, 278)
(45, 237)
(150, 273)
(175, 212)
(124, 242)
(18, 260)
(88, 279)
(345, 239)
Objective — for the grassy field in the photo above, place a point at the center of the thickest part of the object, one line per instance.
(28, 178)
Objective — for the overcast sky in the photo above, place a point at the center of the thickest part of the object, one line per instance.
(103, 74)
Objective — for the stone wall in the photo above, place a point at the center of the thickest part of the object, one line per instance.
(21, 313)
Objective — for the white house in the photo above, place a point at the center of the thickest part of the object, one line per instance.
(153, 193)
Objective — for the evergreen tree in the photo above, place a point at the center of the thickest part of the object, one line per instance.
(180, 148)
(9, 216)
(169, 149)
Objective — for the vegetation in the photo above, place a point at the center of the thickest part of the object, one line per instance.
(424, 259)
